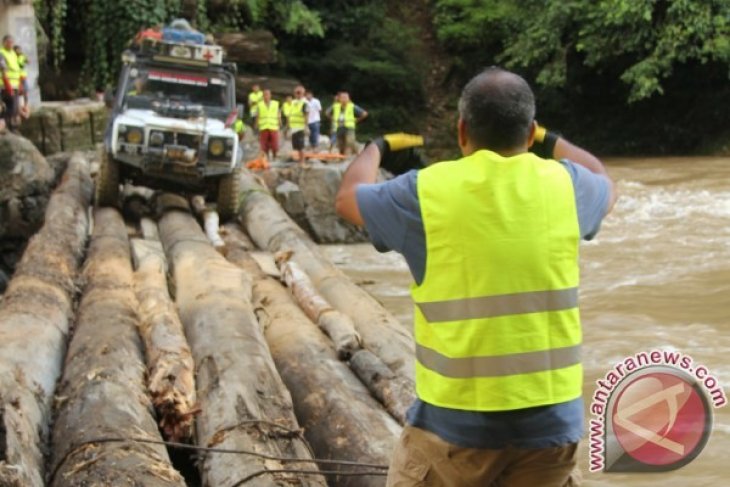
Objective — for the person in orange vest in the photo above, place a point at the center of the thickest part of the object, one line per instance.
(11, 73)
(268, 121)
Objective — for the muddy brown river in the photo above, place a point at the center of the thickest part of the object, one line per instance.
(656, 277)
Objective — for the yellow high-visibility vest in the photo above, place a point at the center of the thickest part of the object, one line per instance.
(253, 100)
(12, 67)
(238, 126)
(22, 61)
(296, 115)
(496, 317)
(349, 115)
(268, 116)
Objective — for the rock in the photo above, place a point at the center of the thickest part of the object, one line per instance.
(252, 47)
(290, 197)
(66, 126)
(314, 188)
(24, 170)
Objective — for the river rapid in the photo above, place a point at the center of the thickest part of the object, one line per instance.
(657, 276)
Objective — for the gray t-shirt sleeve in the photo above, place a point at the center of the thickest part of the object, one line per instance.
(392, 217)
(592, 193)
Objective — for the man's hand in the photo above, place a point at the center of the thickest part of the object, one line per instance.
(544, 142)
(399, 152)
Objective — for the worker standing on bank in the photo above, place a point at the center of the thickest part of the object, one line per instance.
(269, 123)
(24, 86)
(345, 116)
(491, 240)
(297, 121)
(11, 73)
(285, 111)
(254, 97)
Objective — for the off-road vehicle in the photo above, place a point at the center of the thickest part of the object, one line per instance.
(171, 125)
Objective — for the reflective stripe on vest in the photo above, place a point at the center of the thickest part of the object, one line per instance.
(349, 115)
(296, 115)
(268, 116)
(12, 70)
(496, 317)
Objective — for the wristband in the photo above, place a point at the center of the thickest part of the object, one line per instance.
(545, 148)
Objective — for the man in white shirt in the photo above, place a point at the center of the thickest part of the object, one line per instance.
(313, 118)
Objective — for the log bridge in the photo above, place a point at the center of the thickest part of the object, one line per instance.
(124, 343)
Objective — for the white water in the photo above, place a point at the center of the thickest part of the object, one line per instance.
(657, 276)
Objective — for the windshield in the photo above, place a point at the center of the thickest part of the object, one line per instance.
(147, 87)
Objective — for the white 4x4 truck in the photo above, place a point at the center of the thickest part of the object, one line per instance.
(172, 125)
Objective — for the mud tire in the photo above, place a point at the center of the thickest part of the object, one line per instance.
(107, 183)
(228, 202)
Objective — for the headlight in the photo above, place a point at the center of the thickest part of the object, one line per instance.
(134, 135)
(216, 147)
(157, 138)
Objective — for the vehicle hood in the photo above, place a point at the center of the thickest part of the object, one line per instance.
(150, 119)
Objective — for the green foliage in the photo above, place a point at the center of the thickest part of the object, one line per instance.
(369, 51)
(102, 29)
(645, 38)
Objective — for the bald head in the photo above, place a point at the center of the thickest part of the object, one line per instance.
(497, 108)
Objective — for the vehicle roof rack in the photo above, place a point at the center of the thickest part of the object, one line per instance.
(182, 53)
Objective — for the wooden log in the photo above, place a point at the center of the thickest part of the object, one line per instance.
(34, 322)
(244, 404)
(170, 365)
(338, 326)
(102, 393)
(341, 419)
(272, 229)
(393, 392)
(251, 47)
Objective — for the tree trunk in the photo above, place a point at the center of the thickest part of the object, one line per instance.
(393, 392)
(34, 323)
(341, 420)
(170, 365)
(338, 326)
(244, 404)
(272, 229)
(102, 393)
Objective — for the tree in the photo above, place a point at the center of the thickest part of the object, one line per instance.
(646, 38)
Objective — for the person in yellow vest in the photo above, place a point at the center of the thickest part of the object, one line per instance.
(297, 121)
(285, 111)
(22, 63)
(11, 73)
(240, 128)
(254, 97)
(345, 116)
(491, 240)
(269, 122)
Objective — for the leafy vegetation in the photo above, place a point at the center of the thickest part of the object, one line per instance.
(645, 38)
(620, 76)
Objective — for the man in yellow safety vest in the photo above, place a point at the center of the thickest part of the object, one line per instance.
(345, 116)
(491, 240)
(269, 122)
(11, 73)
(254, 97)
(297, 121)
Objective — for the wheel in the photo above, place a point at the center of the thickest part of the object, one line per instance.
(107, 182)
(228, 191)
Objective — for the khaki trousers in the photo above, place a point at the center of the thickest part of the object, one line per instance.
(422, 458)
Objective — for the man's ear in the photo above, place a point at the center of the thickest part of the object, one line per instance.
(462, 135)
(531, 134)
